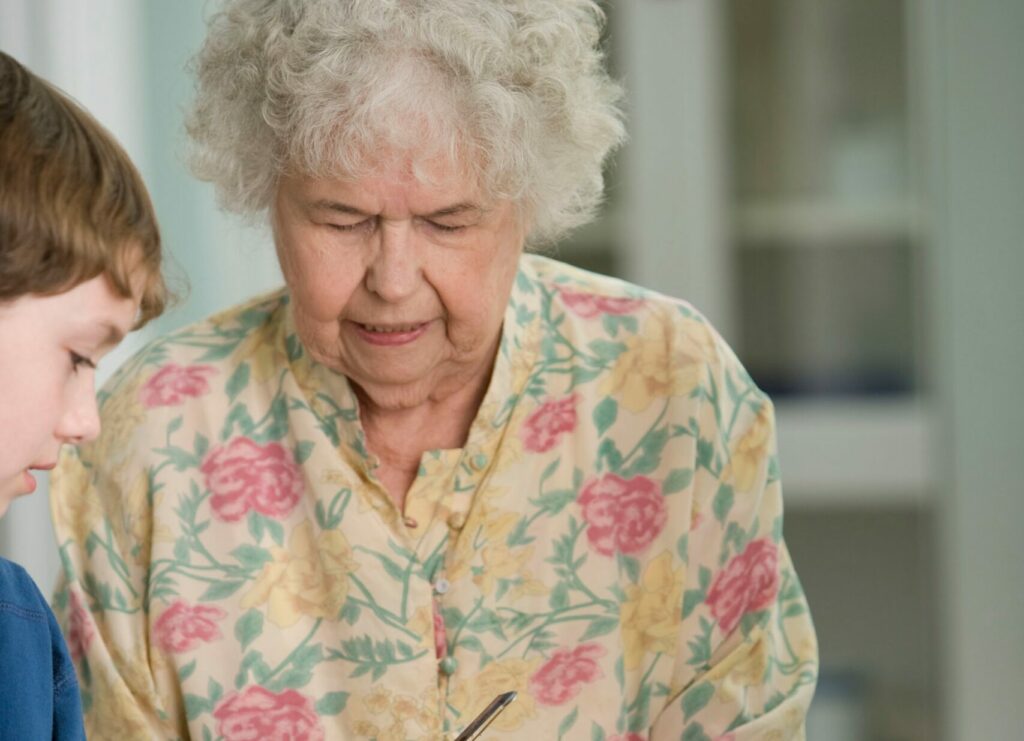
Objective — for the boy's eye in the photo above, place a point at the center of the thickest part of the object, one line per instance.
(77, 361)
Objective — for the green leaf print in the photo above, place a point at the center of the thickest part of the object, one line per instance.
(278, 426)
(597, 733)
(606, 350)
(196, 706)
(248, 628)
(605, 414)
(692, 598)
(630, 565)
(723, 502)
(695, 733)
(294, 347)
(221, 590)
(180, 459)
(252, 662)
(677, 480)
(567, 722)
(237, 382)
(214, 690)
(599, 627)
(238, 417)
(303, 450)
(559, 598)
(696, 698)
(251, 556)
(332, 703)
(486, 621)
(175, 425)
(608, 452)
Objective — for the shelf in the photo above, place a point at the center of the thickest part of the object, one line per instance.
(854, 453)
(825, 223)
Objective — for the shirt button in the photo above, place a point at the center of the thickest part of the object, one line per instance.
(441, 585)
(448, 665)
(411, 523)
(478, 462)
(457, 520)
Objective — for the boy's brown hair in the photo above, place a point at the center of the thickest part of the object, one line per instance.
(72, 204)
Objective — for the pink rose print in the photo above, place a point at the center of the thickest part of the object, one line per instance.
(622, 515)
(626, 737)
(562, 676)
(256, 714)
(182, 628)
(748, 583)
(80, 628)
(588, 306)
(172, 384)
(440, 633)
(546, 424)
(244, 475)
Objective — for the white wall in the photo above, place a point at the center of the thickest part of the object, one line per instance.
(124, 61)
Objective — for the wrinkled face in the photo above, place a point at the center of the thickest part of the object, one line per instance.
(49, 347)
(399, 284)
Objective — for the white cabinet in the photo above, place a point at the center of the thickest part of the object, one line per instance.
(771, 178)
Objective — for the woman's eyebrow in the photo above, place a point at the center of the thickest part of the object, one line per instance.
(343, 208)
(458, 208)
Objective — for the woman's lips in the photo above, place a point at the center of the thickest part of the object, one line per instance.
(390, 335)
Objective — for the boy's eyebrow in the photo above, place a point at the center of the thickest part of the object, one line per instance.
(113, 336)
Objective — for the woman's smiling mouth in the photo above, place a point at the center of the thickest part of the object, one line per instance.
(390, 334)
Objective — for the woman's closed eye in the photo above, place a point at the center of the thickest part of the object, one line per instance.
(364, 224)
(447, 228)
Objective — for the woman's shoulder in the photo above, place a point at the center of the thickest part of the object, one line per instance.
(589, 294)
(19, 595)
(210, 343)
(602, 305)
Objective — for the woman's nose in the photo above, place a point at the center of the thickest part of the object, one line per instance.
(394, 274)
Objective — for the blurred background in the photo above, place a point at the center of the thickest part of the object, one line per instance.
(839, 186)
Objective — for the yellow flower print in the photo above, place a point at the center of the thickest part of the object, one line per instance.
(309, 578)
(528, 586)
(422, 624)
(400, 710)
(659, 363)
(748, 457)
(474, 693)
(650, 615)
(260, 349)
(486, 524)
(500, 563)
(123, 414)
(378, 701)
(74, 501)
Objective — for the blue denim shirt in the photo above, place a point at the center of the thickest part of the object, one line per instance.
(38, 688)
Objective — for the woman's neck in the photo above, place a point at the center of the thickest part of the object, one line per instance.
(398, 437)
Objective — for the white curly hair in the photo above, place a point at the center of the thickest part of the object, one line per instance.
(515, 90)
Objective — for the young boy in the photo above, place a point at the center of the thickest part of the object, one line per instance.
(79, 268)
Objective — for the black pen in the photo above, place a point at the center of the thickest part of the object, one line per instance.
(480, 722)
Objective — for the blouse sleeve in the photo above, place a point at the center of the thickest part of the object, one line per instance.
(747, 662)
(102, 519)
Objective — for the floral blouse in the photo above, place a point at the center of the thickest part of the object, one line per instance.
(608, 543)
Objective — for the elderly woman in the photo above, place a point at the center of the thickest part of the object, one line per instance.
(433, 468)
